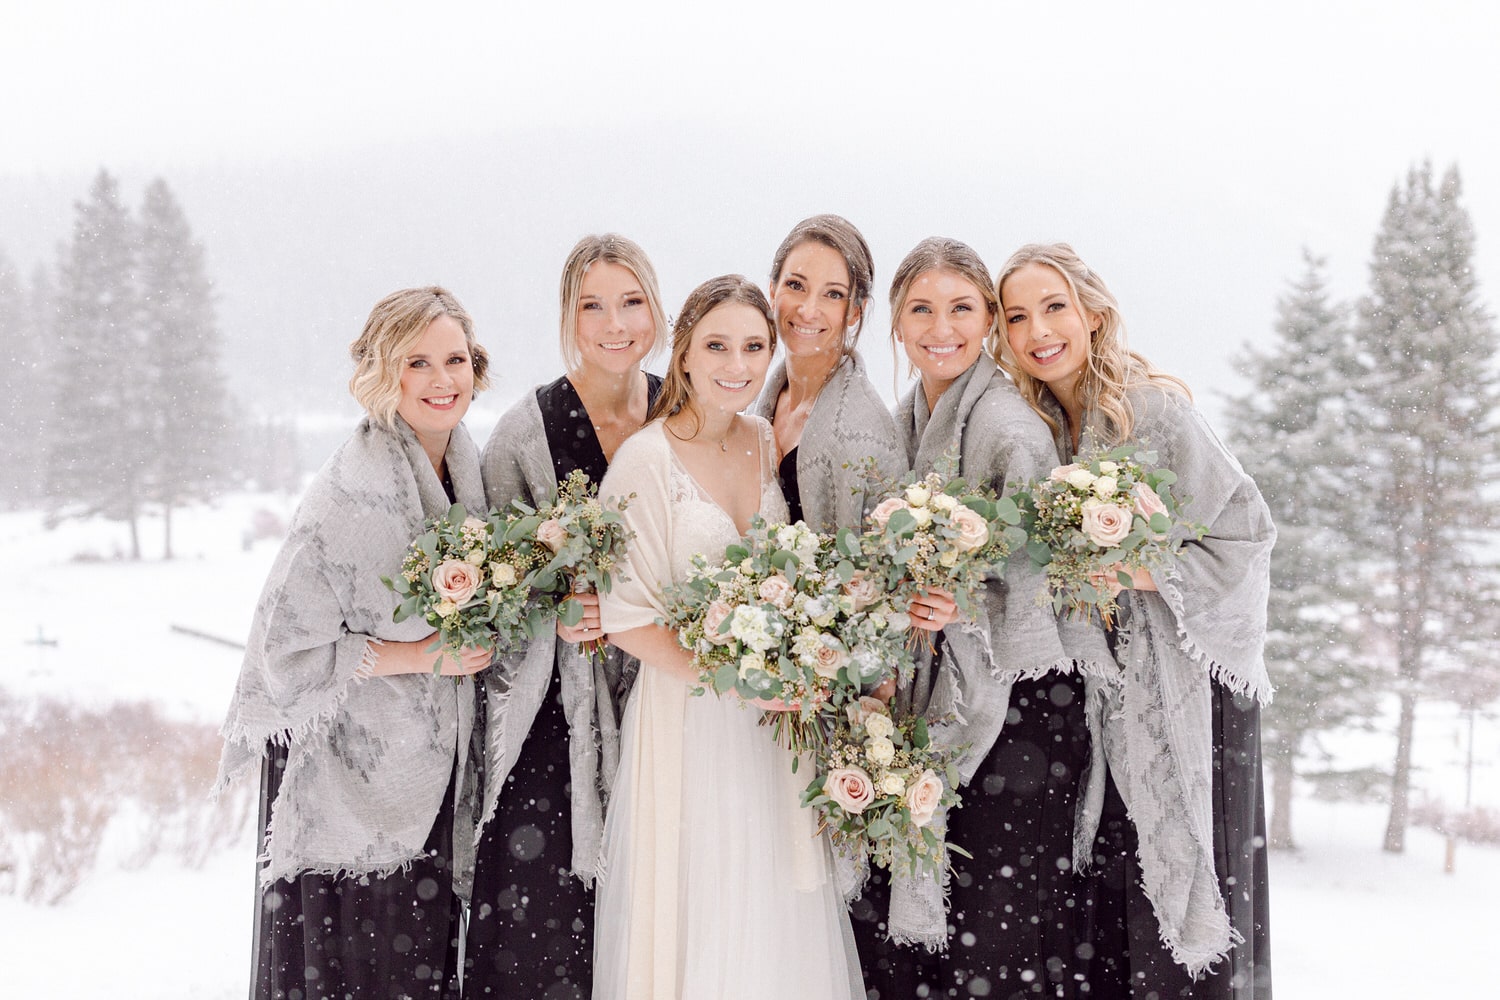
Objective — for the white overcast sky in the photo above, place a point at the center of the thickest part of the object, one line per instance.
(1305, 112)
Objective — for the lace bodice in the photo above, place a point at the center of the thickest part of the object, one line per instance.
(701, 526)
(673, 519)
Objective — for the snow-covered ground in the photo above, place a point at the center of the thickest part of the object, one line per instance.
(1347, 918)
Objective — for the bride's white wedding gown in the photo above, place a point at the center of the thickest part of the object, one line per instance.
(715, 883)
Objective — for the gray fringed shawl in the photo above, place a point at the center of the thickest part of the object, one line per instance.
(966, 694)
(848, 424)
(518, 464)
(1150, 718)
(369, 758)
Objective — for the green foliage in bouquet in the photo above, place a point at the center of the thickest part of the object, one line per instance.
(1103, 515)
(584, 540)
(469, 578)
(882, 788)
(787, 615)
(937, 531)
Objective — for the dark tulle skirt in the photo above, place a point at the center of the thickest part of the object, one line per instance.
(531, 922)
(1119, 931)
(1012, 908)
(318, 937)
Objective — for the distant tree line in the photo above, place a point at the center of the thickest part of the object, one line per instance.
(1372, 431)
(113, 399)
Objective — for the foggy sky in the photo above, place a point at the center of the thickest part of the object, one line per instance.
(326, 153)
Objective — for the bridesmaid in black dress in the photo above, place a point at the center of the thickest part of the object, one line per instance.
(364, 835)
(552, 733)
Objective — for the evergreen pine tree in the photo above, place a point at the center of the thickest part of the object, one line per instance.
(98, 452)
(1285, 431)
(23, 402)
(182, 349)
(1424, 406)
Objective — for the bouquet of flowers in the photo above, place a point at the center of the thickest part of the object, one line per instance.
(581, 541)
(879, 784)
(1111, 512)
(787, 616)
(937, 531)
(469, 578)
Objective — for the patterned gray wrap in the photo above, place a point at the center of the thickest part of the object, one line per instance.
(1150, 715)
(518, 464)
(848, 424)
(369, 758)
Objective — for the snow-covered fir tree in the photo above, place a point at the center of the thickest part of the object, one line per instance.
(1423, 418)
(182, 351)
(1285, 430)
(98, 450)
(23, 401)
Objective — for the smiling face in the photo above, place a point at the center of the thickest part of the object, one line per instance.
(615, 327)
(727, 358)
(1049, 334)
(437, 383)
(811, 301)
(943, 325)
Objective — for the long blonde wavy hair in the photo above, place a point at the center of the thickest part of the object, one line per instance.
(1112, 368)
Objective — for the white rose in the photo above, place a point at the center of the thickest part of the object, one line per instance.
(923, 798)
(445, 608)
(475, 557)
(918, 495)
(1108, 468)
(880, 725)
(1062, 472)
(850, 788)
(945, 502)
(923, 516)
(1080, 478)
(892, 784)
(503, 573)
(751, 661)
(1105, 486)
(878, 749)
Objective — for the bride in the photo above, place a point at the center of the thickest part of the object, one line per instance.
(714, 883)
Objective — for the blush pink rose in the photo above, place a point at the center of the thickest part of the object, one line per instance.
(972, 531)
(456, 580)
(776, 589)
(712, 619)
(828, 659)
(1105, 524)
(883, 510)
(923, 798)
(858, 711)
(863, 590)
(551, 533)
(1147, 503)
(851, 788)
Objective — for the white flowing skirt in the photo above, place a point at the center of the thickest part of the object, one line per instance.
(715, 884)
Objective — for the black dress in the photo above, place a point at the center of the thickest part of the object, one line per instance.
(531, 922)
(1118, 929)
(321, 937)
(1012, 908)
